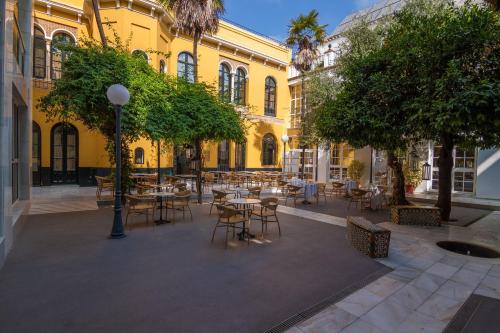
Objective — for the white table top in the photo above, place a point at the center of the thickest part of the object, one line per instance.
(244, 201)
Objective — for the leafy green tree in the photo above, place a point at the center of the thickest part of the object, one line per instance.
(80, 94)
(433, 74)
(305, 34)
(449, 58)
(359, 103)
(196, 17)
(200, 116)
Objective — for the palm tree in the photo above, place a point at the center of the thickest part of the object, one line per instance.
(98, 21)
(196, 17)
(305, 34)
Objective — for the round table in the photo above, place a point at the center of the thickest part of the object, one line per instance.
(162, 195)
(188, 177)
(244, 202)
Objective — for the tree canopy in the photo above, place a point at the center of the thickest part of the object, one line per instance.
(430, 73)
(80, 93)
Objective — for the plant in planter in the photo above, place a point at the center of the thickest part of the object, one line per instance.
(413, 177)
(355, 170)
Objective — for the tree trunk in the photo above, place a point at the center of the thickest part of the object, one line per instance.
(197, 144)
(398, 181)
(302, 125)
(99, 23)
(196, 39)
(445, 164)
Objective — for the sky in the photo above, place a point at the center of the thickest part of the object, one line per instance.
(271, 17)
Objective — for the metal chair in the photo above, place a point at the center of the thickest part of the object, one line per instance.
(229, 218)
(294, 192)
(266, 212)
(140, 205)
(180, 202)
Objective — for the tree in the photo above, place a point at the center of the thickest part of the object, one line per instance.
(200, 115)
(450, 59)
(305, 34)
(80, 94)
(196, 17)
(360, 101)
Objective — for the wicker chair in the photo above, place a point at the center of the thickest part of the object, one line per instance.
(180, 202)
(253, 192)
(140, 205)
(209, 180)
(338, 188)
(321, 192)
(104, 184)
(220, 197)
(282, 186)
(229, 218)
(359, 196)
(294, 192)
(266, 212)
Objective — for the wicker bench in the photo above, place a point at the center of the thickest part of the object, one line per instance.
(416, 215)
(367, 237)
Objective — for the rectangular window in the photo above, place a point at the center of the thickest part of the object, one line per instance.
(341, 155)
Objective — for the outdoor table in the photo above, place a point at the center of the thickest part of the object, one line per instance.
(236, 191)
(188, 177)
(310, 189)
(162, 195)
(245, 203)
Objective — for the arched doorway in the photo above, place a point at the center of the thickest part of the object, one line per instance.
(240, 156)
(223, 156)
(64, 154)
(36, 155)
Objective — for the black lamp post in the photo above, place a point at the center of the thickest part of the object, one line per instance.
(118, 95)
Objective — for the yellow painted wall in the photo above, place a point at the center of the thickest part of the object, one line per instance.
(147, 33)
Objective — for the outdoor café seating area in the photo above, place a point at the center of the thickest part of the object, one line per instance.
(242, 204)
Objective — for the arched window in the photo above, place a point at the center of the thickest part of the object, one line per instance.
(225, 82)
(139, 155)
(58, 56)
(140, 54)
(240, 87)
(270, 97)
(39, 54)
(64, 154)
(185, 66)
(268, 150)
(163, 67)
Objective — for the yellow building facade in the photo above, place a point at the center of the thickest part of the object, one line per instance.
(251, 68)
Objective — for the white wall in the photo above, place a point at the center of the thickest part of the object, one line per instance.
(488, 174)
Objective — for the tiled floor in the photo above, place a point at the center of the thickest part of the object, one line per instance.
(426, 288)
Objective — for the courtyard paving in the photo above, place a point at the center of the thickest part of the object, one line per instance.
(426, 288)
(64, 275)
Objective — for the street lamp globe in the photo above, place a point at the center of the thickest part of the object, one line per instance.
(118, 95)
(284, 138)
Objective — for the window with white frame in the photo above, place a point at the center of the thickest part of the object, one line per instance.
(341, 155)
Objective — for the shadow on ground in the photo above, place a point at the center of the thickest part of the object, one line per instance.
(64, 275)
(339, 207)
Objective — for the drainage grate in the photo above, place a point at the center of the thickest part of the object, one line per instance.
(318, 307)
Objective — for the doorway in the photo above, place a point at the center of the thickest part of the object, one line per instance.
(36, 155)
(64, 154)
(223, 156)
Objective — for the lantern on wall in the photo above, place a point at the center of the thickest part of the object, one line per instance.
(414, 159)
(426, 171)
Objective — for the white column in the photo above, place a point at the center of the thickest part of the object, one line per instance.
(323, 164)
